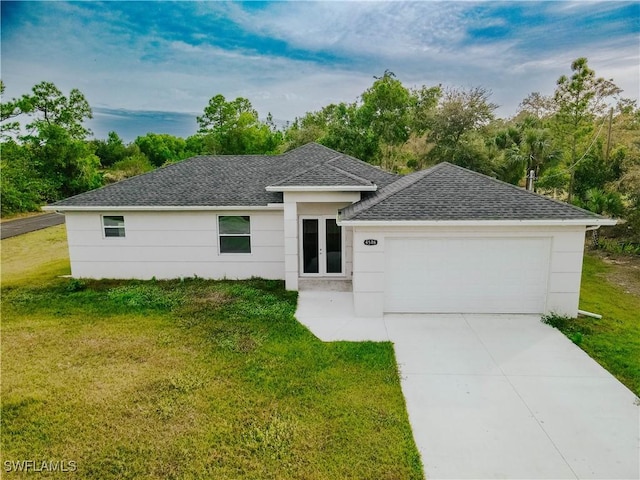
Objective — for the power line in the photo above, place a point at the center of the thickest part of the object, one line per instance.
(571, 167)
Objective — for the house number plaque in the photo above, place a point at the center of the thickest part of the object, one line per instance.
(371, 241)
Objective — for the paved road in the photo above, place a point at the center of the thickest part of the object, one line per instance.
(29, 224)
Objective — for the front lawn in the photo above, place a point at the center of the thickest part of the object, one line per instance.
(191, 379)
(609, 287)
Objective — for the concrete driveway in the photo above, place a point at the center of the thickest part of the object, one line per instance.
(497, 396)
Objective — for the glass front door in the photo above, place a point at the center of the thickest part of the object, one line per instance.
(322, 246)
(333, 244)
(310, 245)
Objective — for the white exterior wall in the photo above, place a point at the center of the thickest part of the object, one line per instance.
(291, 245)
(173, 244)
(567, 244)
(294, 204)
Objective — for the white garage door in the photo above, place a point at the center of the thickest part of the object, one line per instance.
(466, 275)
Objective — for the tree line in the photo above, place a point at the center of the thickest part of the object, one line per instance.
(581, 144)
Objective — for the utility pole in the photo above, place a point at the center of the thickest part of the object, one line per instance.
(606, 155)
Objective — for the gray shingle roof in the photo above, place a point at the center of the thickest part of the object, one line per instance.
(229, 180)
(443, 192)
(448, 192)
(325, 175)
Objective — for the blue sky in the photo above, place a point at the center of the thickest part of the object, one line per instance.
(153, 66)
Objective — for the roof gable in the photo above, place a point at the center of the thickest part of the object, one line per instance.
(324, 175)
(447, 192)
(343, 169)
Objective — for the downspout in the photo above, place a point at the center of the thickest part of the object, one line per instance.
(595, 237)
(589, 314)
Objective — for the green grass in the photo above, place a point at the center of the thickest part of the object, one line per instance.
(35, 257)
(613, 341)
(187, 379)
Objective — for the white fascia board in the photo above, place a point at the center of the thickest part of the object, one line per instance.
(476, 223)
(111, 208)
(326, 188)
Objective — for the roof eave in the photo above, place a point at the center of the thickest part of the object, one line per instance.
(165, 208)
(478, 223)
(322, 188)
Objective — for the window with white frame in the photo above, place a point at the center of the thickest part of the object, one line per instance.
(234, 233)
(113, 225)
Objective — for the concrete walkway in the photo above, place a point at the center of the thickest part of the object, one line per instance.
(497, 396)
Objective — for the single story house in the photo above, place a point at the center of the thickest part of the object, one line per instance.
(441, 240)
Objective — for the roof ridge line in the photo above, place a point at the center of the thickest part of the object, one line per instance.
(305, 146)
(358, 160)
(344, 172)
(297, 174)
(520, 189)
(390, 191)
(231, 155)
(128, 179)
(325, 164)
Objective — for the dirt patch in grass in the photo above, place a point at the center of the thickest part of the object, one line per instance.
(626, 273)
(212, 299)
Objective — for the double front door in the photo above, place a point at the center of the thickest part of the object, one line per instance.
(322, 246)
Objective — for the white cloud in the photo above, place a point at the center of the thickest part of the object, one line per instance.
(118, 65)
(361, 28)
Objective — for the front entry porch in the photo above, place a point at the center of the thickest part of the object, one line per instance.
(318, 251)
(326, 284)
